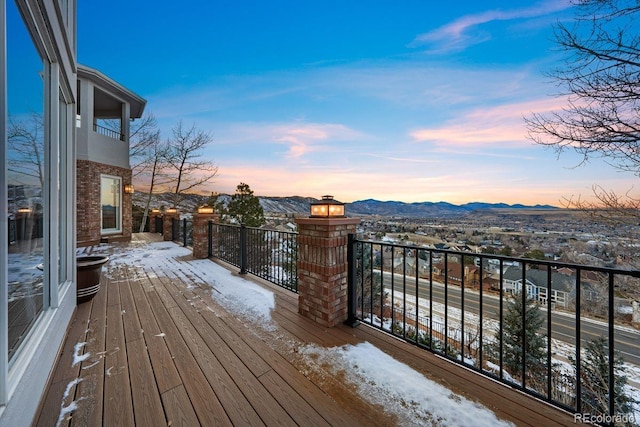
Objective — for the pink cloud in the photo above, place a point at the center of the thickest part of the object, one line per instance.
(304, 138)
(497, 126)
(301, 138)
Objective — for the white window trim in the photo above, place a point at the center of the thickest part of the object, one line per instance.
(118, 230)
(4, 238)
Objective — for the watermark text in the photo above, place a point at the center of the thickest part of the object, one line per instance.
(604, 419)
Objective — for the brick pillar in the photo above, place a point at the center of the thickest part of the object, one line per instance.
(167, 224)
(201, 234)
(152, 221)
(323, 268)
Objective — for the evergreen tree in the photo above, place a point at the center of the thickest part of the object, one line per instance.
(534, 344)
(594, 378)
(245, 208)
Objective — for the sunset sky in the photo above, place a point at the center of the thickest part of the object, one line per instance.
(392, 100)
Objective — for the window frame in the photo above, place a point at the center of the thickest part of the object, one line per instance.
(58, 192)
(119, 186)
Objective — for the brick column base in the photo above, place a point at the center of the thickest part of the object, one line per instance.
(167, 225)
(152, 222)
(201, 234)
(323, 268)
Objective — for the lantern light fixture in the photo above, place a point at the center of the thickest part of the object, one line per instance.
(205, 209)
(327, 208)
(128, 188)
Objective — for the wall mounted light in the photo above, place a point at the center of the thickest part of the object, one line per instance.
(128, 188)
(327, 208)
(172, 211)
(24, 210)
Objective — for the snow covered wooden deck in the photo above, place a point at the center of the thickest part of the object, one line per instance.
(155, 348)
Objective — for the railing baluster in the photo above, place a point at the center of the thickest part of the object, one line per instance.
(462, 308)
(446, 304)
(480, 312)
(417, 310)
(352, 296)
(549, 365)
(404, 292)
(501, 321)
(524, 293)
(430, 299)
(382, 289)
(578, 360)
(611, 382)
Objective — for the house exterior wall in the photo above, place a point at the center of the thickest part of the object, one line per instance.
(89, 230)
(98, 154)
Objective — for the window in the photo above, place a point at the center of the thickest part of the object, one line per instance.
(26, 178)
(111, 202)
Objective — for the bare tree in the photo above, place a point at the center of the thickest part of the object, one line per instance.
(150, 169)
(25, 143)
(186, 170)
(601, 80)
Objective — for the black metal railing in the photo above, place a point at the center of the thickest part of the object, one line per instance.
(109, 132)
(269, 254)
(182, 231)
(538, 326)
(25, 227)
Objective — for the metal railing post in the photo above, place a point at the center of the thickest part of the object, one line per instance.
(243, 249)
(352, 298)
(209, 239)
(184, 232)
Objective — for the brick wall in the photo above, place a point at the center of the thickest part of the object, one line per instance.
(88, 202)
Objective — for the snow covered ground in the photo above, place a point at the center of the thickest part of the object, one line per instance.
(380, 379)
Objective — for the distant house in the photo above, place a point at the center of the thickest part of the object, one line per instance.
(562, 285)
(455, 273)
(103, 170)
(408, 265)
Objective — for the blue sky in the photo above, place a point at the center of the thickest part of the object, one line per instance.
(393, 100)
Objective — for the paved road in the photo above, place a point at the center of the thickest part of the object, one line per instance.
(563, 325)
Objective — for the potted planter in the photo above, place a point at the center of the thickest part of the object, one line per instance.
(89, 269)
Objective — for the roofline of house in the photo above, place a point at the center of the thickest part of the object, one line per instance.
(136, 102)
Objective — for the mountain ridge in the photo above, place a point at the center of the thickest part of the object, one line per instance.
(299, 205)
(418, 209)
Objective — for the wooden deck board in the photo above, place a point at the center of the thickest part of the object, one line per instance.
(205, 402)
(65, 373)
(162, 351)
(178, 408)
(164, 369)
(118, 406)
(146, 401)
(92, 386)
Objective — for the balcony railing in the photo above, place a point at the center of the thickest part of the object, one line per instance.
(109, 132)
(530, 324)
(269, 254)
(182, 231)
